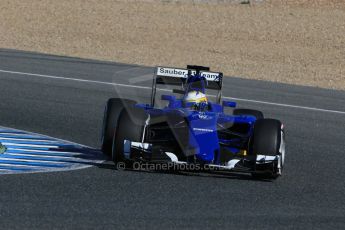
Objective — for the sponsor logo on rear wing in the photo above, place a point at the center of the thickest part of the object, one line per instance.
(183, 73)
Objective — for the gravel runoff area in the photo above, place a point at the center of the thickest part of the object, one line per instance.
(296, 41)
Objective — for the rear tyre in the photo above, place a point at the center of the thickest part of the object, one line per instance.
(256, 113)
(268, 140)
(130, 127)
(111, 116)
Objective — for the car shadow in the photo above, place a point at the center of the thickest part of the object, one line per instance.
(97, 159)
(109, 165)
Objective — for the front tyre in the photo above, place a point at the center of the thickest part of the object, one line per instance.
(268, 140)
(131, 125)
(111, 116)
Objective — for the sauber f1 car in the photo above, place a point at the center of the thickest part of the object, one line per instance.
(193, 129)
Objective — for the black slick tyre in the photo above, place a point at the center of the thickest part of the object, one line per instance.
(111, 116)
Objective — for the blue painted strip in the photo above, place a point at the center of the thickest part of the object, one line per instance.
(9, 168)
(14, 162)
(24, 135)
(2, 136)
(28, 147)
(79, 158)
(34, 158)
(12, 131)
(46, 159)
(49, 153)
(36, 142)
(30, 152)
(6, 130)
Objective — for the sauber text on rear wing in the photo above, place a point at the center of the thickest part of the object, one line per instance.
(178, 76)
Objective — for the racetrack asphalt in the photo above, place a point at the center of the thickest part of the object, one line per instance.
(310, 194)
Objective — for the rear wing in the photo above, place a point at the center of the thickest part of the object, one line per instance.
(178, 77)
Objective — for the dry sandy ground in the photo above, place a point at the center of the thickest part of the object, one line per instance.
(293, 41)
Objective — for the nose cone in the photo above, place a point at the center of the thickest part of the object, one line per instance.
(204, 135)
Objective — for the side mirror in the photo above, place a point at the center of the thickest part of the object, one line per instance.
(231, 104)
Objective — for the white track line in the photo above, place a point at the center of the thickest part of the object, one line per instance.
(74, 79)
(287, 105)
(27, 140)
(145, 87)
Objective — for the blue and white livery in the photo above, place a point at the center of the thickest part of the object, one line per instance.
(195, 128)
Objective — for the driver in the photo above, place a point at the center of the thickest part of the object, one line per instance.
(196, 100)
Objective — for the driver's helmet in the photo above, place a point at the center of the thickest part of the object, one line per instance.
(196, 100)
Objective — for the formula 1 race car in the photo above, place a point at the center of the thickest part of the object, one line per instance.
(191, 129)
